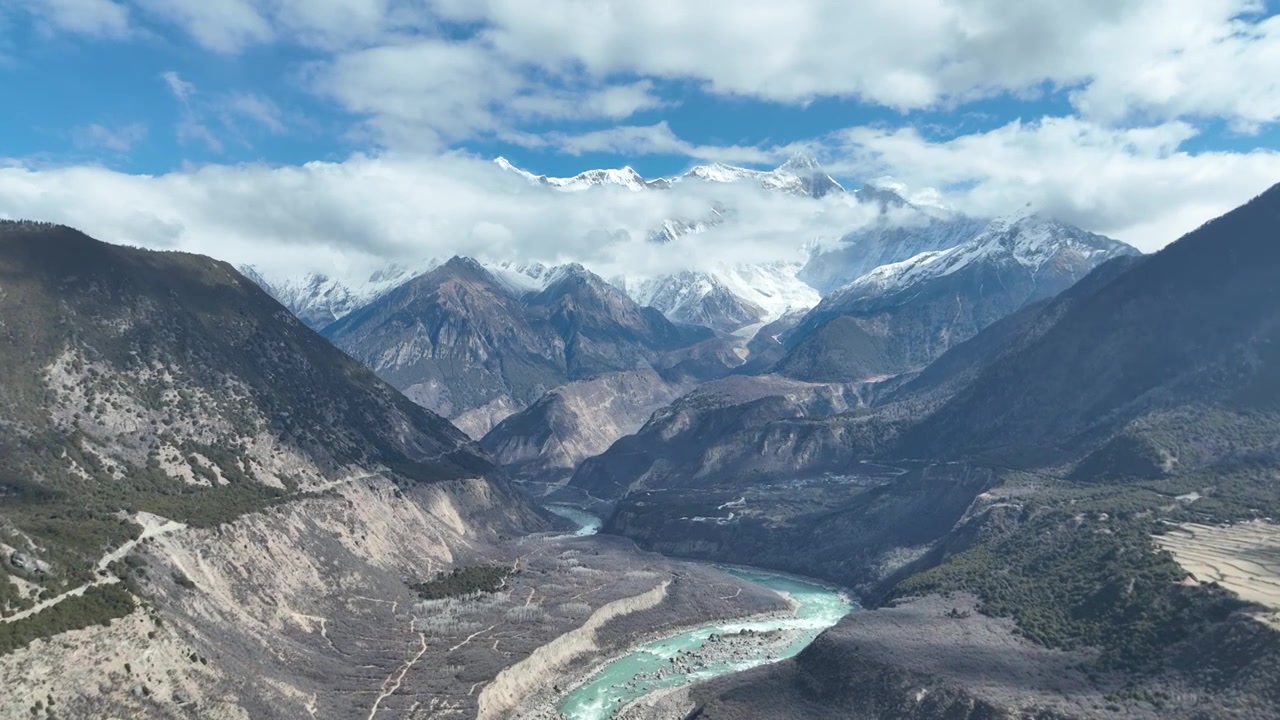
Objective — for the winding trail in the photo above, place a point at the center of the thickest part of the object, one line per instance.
(472, 636)
(391, 685)
(152, 526)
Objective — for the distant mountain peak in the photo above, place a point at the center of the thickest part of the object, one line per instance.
(1024, 237)
(886, 188)
(802, 161)
(1027, 211)
(569, 270)
(625, 176)
(802, 174)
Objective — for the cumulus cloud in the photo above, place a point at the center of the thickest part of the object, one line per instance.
(655, 139)
(85, 17)
(427, 93)
(226, 26)
(351, 217)
(573, 77)
(1166, 57)
(427, 74)
(1136, 184)
(348, 218)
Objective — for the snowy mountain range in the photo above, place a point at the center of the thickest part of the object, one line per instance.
(319, 300)
(918, 244)
(801, 174)
(901, 315)
(1027, 239)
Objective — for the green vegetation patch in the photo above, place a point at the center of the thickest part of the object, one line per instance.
(98, 606)
(462, 581)
(1077, 567)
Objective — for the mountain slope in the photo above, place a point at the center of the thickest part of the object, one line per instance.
(1177, 344)
(474, 345)
(603, 329)
(901, 316)
(547, 440)
(1010, 563)
(454, 339)
(169, 384)
(735, 429)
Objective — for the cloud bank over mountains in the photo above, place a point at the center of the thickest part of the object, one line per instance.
(1139, 119)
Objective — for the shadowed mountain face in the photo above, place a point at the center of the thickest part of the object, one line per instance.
(1178, 354)
(457, 340)
(901, 316)
(169, 383)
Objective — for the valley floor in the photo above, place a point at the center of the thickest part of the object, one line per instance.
(305, 611)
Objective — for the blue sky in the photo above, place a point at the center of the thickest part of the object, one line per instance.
(81, 82)
(1139, 118)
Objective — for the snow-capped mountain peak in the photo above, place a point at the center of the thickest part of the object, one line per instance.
(318, 299)
(802, 174)
(504, 164)
(1024, 238)
(719, 172)
(1025, 212)
(801, 163)
(625, 177)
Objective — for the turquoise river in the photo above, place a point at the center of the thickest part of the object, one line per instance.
(632, 676)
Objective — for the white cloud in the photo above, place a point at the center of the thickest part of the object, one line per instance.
(336, 23)
(181, 89)
(1191, 65)
(120, 139)
(190, 128)
(1136, 184)
(223, 26)
(86, 17)
(420, 94)
(346, 218)
(1120, 59)
(428, 74)
(259, 109)
(1167, 58)
(613, 102)
(427, 93)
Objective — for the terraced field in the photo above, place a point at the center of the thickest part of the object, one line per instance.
(1243, 558)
